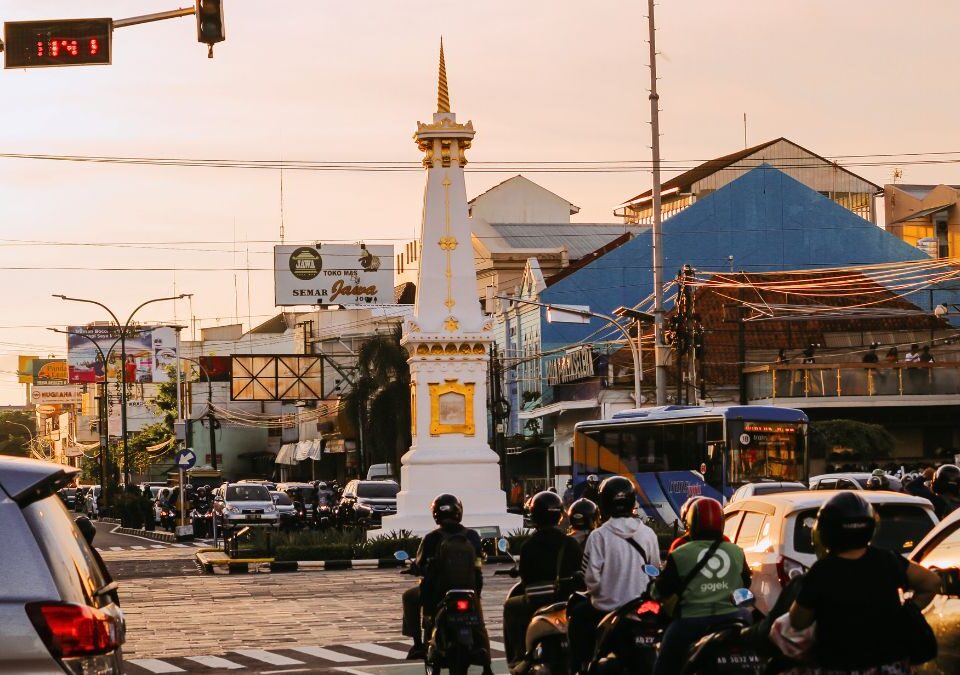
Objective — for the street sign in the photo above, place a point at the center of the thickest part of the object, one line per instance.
(185, 459)
(63, 42)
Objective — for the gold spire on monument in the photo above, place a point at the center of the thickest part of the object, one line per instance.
(443, 94)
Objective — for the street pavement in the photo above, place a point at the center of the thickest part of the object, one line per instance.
(344, 621)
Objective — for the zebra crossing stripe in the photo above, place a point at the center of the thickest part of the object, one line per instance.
(139, 548)
(179, 545)
(215, 662)
(327, 654)
(268, 657)
(116, 548)
(156, 666)
(498, 646)
(379, 650)
(157, 546)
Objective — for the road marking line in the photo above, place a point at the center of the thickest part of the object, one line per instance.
(379, 650)
(116, 548)
(327, 654)
(156, 666)
(215, 662)
(200, 544)
(139, 548)
(353, 671)
(157, 546)
(289, 670)
(179, 545)
(497, 646)
(267, 657)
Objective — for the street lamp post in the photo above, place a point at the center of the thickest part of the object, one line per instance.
(634, 314)
(123, 328)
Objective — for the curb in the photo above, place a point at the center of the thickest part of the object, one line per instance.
(209, 565)
(167, 537)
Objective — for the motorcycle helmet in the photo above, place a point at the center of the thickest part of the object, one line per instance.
(446, 508)
(705, 519)
(202, 491)
(874, 483)
(593, 480)
(618, 497)
(546, 509)
(322, 486)
(685, 508)
(845, 522)
(583, 514)
(946, 481)
(569, 482)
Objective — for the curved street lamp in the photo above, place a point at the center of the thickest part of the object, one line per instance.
(124, 329)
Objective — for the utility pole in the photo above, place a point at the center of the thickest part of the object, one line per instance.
(658, 347)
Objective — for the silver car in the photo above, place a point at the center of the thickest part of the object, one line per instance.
(240, 504)
(58, 610)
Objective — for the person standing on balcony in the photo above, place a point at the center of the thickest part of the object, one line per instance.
(925, 355)
(893, 355)
(913, 356)
(782, 357)
(871, 356)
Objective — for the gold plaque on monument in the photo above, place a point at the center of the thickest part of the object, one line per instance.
(451, 408)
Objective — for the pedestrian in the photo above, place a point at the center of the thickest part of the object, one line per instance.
(782, 357)
(925, 355)
(893, 355)
(809, 354)
(871, 355)
(913, 356)
(516, 493)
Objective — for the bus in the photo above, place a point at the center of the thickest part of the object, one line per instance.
(672, 453)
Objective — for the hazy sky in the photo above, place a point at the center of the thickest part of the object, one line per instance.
(347, 81)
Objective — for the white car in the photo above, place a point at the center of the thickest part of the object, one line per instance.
(849, 481)
(765, 488)
(239, 504)
(775, 533)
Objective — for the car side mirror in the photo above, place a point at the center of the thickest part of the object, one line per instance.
(503, 545)
(949, 581)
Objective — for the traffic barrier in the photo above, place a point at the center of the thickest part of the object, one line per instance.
(220, 565)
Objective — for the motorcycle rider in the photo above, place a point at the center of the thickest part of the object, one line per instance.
(201, 504)
(583, 517)
(613, 562)
(447, 511)
(569, 494)
(853, 592)
(548, 558)
(325, 494)
(700, 574)
(946, 490)
(591, 489)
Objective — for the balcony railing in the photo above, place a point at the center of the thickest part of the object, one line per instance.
(848, 380)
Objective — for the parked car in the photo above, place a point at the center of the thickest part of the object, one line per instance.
(765, 488)
(849, 481)
(58, 607)
(940, 551)
(774, 532)
(239, 504)
(69, 497)
(380, 496)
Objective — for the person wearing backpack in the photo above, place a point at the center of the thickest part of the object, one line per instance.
(613, 562)
(449, 557)
(698, 581)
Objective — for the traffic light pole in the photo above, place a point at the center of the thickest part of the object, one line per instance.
(157, 16)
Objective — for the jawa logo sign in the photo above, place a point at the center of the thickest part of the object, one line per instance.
(347, 275)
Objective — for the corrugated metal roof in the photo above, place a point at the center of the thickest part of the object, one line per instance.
(923, 214)
(579, 239)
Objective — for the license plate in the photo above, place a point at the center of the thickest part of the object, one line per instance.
(254, 516)
(644, 640)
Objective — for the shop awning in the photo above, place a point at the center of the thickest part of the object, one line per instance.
(286, 454)
(316, 448)
(557, 408)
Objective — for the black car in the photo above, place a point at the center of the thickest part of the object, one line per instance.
(69, 497)
(379, 496)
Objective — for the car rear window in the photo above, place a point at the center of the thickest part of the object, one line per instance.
(281, 499)
(378, 490)
(247, 493)
(773, 489)
(72, 564)
(901, 528)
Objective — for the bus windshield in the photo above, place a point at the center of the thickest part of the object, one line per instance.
(770, 450)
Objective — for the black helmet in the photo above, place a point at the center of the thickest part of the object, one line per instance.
(583, 514)
(592, 478)
(618, 498)
(947, 480)
(446, 508)
(874, 483)
(322, 485)
(545, 509)
(845, 521)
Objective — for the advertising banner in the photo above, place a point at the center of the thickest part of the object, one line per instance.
(50, 395)
(50, 371)
(351, 275)
(216, 367)
(25, 369)
(151, 351)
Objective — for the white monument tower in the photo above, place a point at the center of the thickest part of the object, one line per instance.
(448, 340)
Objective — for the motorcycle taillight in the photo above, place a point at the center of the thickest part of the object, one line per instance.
(648, 607)
(462, 605)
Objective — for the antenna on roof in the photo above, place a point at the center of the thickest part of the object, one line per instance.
(744, 130)
(897, 175)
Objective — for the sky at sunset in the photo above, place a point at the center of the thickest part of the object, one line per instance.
(542, 80)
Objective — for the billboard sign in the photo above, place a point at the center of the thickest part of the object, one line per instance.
(150, 351)
(52, 395)
(50, 371)
(25, 369)
(352, 275)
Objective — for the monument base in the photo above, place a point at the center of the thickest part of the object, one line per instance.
(474, 482)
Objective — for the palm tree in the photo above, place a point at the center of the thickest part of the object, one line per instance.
(380, 399)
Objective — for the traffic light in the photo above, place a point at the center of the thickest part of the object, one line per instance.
(62, 42)
(210, 23)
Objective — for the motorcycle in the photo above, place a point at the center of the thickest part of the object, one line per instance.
(727, 649)
(168, 517)
(628, 637)
(201, 517)
(453, 634)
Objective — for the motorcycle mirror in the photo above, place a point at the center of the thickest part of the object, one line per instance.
(401, 555)
(503, 545)
(743, 597)
(651, 571)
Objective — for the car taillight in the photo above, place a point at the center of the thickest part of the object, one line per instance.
(788, 569)
(462, 605)
(73, 630)
(648, 607)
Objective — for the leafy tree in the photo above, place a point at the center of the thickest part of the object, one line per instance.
(14, 438)
(380, 399)
(859, 441)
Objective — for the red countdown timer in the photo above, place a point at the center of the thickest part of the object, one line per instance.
(75, 42)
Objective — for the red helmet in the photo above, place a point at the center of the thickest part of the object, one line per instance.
(705, 519)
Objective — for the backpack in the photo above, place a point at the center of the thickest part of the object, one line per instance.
(453, 567)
